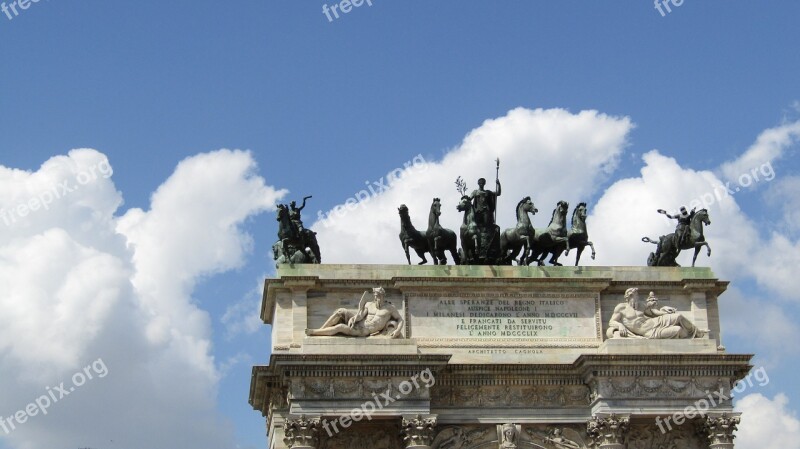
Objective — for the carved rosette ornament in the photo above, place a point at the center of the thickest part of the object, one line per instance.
(301, 433)
(719, 430)
(608, 432)
(419, 432)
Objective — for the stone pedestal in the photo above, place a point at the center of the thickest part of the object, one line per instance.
(491, 358)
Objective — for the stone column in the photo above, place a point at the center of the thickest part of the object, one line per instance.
(608, 432)
(301, 433)
(719, 429)
(418, 432)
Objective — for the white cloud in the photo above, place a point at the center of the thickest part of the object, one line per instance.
(770, 145)
(549, 155)
(783, 194)
(738, 313)
(740, 246)
(767, 424)
(244, 316)
(82, 284)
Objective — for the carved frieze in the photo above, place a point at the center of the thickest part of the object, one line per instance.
(358, 388)
(558, 437)
(515, 396)
(648, 436)
(363, 438)
(463, 437)
(660, 387)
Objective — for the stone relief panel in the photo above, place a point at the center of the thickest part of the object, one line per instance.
(648, 436)
(356, 388)
(337, 315)
(661, 387)
(643, 319)
(368, 436)
(521, 396)
(570, 436)
(463, 437)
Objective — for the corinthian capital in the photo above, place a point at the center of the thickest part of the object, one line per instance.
(608, 432)
(301, 433)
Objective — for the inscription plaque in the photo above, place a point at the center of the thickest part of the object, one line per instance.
(541, 316)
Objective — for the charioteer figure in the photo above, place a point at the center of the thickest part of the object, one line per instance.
(294, 214)
(684, 218)
(484, 203)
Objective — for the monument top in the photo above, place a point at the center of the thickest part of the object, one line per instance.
(492, 314)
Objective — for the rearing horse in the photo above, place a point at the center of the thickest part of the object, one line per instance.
(546, 240)
(669, 248)
(290, 236)
(470, 237)
(439, 238)
(519, 237)
(410, 237)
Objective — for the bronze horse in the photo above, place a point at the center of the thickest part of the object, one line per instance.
(291, 238)
(440, 239)
(547, 240)
(470, 237)
(410, 237)
(578, 236)
(520, 236)
(669, 248)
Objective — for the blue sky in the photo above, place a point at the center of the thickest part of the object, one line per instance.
(324, 106)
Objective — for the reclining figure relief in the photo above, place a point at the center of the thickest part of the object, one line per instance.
(373, 318)
(635, 318)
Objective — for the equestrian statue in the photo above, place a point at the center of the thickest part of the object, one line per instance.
(688, 235)
(295, 244)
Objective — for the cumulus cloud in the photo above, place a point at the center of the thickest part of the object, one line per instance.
(552, 155)
(549, 155)
(82, 284)
(771, 144)
(782, 194)
(244, 316)
(767, 424)
(741, 246)
(738, 312)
